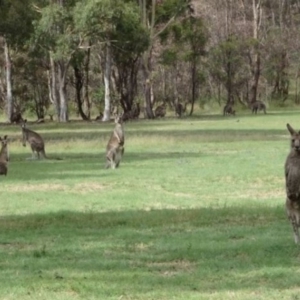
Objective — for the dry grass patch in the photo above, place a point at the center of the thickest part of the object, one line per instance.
(29, 187)
(172, 268)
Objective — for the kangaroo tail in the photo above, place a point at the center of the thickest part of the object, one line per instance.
(52, 158)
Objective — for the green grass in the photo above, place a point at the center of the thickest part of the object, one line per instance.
(195, 211)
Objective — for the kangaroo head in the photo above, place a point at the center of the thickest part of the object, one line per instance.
(4, 141)
(23, 123)
(119, 118)
(295, 138)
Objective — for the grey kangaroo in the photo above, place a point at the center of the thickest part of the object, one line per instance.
(257, 106)
(228, 110)
(4, 156)
(180, 109)
(115, 146)
(35, 141)
(292, 182)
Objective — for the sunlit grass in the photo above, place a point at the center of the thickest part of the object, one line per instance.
(195, 211)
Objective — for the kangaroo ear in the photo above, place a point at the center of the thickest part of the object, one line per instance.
(290, 129)
(5, 137)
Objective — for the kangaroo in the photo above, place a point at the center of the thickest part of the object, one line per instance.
(292, 182)
(34, 139)
(4, 156)
(16, 117)
(160, 111)
(115, 146)
(180, 109)
(228, 110)
(257, 106)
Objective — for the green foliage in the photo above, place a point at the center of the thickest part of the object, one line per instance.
(16, 19)
(227, 62)
(170, 8)
(169, 57)
(130, 38)
(54, 31)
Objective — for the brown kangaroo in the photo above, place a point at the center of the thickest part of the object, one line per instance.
(160, 111)
(115, 146)
(35, 141)
(292, 182)
(4, 156)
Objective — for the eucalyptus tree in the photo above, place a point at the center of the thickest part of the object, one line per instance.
(157, 16)
(189, 37)
(129, 41)
(94, 22)
(15, 28)
(54, 32)
(115, 26)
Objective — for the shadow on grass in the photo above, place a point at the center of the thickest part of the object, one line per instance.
(190, 249)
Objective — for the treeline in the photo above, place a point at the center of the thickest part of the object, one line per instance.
(58, 56)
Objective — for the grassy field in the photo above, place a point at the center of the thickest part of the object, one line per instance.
(195, 211)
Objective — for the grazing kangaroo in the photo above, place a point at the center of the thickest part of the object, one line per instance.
(115, 146)
(34, 139)
(292, 182)
(160, 111)
(257, 106)
(228, 110)
(4, 156)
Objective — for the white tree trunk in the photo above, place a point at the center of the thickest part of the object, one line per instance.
(107, 73)
(53, 91)
(9, 96)
(63, 105)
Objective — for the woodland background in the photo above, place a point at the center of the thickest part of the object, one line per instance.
(95, 57)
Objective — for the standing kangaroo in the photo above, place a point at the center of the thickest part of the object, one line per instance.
(257, 106)
(180, 109)
(4, 156)
(35, 141)
(292, 182)
(115, 146)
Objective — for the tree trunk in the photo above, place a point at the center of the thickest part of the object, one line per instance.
(194, 85)
(78, 87)
(86, 99)
(52, 83)
(9, 96)
(62, 70)
(147, 85)
(107, 73)
(255, 67)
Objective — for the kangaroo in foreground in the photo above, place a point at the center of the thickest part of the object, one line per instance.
(292, 182)
(115, 146)
(35, 141)
(4, 156)
(257, 106)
